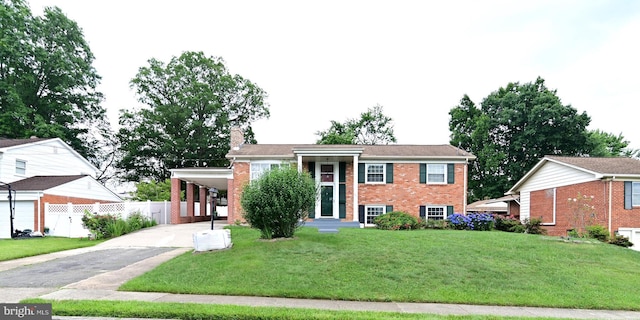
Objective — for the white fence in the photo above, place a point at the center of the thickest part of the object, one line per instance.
(65, 220)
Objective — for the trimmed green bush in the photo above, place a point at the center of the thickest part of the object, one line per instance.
(105, 226)
(396, 220)
(534, 226)
(508, 224)
(278, 202)
(598, 232)
(621, 241)
(433, 224)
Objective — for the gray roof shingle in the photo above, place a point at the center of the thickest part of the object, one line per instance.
(394, 150)
(616, 165)
(41, 183)
(7, 143)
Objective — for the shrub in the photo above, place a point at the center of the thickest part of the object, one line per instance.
(622, 241)
(434, 224)
(508, 224)
(598, 232)
(396, 220)
(277, 203)
(534, 226)
(472, 221)
(98, 224)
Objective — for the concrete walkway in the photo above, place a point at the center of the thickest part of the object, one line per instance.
(103, 286)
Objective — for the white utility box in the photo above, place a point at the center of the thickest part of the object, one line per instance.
(212, 240)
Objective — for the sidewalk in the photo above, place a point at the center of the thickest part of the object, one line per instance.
(104, 286)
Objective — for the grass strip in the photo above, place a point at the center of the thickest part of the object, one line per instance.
(26, 247)
(193, 311)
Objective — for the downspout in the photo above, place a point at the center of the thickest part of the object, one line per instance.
(464, 196)
(355, 188)
(39, 212)
(610, 200)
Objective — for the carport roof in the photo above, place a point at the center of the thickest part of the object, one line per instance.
(206, 177)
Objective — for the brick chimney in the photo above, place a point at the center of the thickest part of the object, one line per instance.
(237, 138)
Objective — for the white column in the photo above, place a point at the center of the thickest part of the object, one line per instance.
(299, 163)
(355, 188)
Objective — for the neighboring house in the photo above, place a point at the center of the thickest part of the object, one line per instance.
(570, 192)
(507, 205)
(357, 182)
(32, 193)
(44, 170)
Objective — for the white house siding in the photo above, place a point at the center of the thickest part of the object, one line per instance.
(552, 175)
(86, 188)
(43, 158)
(525, 210)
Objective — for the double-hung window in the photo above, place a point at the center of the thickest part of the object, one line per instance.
(635, 194)
(21, 167)
(259, 168)
(375, 172)
(436, 213)
(436, 173)
(371, 212)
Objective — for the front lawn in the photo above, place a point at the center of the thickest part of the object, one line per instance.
(445, 266)
(19, 248)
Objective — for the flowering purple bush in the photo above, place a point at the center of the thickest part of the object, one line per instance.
(473, 221)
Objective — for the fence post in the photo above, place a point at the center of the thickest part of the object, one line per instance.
(96, 208)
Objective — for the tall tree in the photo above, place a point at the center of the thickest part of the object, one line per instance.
(191, 104)
(604, 144)
(512, 130)
(48, 82)
(373, 127)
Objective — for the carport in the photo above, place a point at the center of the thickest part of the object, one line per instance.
(203, 179)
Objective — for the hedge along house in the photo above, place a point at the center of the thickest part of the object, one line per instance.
(571, 192)
(360, 182)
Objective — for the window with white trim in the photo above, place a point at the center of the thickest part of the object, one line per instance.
(21, 167)
(436, 213)
(635, 194)
(375, 172)
(436, 173)
(371, 212)
(259, 168)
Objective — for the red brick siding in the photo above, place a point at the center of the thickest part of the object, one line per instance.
(514, 209)
(241, 176)
(407, 194)
(568, 211)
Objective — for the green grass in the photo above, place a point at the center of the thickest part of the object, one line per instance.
(131, 309)
(19, 248)
(445, 266)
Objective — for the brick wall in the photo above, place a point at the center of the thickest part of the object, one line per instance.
(407, 194)
(591, 207)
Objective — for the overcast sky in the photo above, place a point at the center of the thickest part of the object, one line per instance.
(332, 60)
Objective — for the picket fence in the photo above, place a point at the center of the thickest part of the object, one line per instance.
(65, 220)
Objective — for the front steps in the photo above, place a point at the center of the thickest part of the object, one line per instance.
(330, 225)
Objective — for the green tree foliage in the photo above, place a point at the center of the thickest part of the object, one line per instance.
(512, 130)
(191, 104)
(277, 202)
(48, 82)
(604, 144)
(373, 127)
(153, 191)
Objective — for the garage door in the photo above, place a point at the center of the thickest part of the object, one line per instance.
(23, 218)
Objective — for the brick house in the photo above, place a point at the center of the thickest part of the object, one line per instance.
(357, 182)
(571, 192)
(431, 182)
